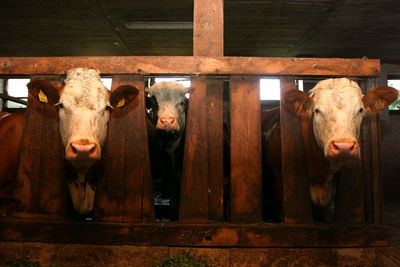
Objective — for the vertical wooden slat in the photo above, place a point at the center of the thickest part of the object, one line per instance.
(296, 197)
(194, 196)
(245, 149)
(124, 194)
(208, 40)
(215, 134)
(110, 188)
(40, 186)
(208, 28)
(371, 161)
(350, 194)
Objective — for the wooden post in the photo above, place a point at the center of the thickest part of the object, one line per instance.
(245, 120)
(193, 206)
(124, 193)
(40, 186)
(208, 28)
(296, 197)
(208, 41)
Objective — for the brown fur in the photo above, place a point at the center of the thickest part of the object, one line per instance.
(128, 92)
(379, 98)
(52, 93)
(11, 129)
(299, 103)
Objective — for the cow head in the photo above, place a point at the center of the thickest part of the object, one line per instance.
(337, 107)
(84, 107)
(171, 101)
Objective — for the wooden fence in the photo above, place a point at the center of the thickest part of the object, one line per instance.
(123, 210)
(124, 193)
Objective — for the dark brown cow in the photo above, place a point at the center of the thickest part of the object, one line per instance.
(168, 112)
(331, 117)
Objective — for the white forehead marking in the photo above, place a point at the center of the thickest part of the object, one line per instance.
(166, 91)
(340, 92)
(83, 88)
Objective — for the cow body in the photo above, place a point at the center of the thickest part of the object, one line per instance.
(169, 107)
(11, 129)
(331, 119)
(84, 104)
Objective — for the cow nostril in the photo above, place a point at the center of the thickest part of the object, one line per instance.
(73, 149)
(334, 146)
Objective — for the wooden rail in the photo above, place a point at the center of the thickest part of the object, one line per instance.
(194, 65)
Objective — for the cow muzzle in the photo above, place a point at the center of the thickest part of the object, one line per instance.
(343, 149)
(82, 152)
(167, 124)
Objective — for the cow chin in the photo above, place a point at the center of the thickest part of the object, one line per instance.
(168, 138)
(83, 165)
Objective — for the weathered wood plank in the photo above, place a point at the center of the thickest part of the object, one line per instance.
(194, 65)
(40, 186)
(208, 28)
(215, 136)
(124, 192)
(245, 121)
(296, 198)
(350, 194)
(195, 235)
(193, 205)
(371, 161)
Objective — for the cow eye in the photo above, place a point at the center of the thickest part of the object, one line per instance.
(60, 105)
(107, 108)
(361, 110)
(316, 110)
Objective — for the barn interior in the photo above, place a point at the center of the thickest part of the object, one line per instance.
(255, 28)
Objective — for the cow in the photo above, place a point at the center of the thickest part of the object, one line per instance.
(331, 116)
(84, 106)
(168, 107)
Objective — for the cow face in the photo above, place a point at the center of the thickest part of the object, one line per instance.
(84, 106)
(171, 101)
(337, 107)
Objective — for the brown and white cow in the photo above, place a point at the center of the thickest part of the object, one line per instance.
(84, 104)
(331, 116)
(169, 103)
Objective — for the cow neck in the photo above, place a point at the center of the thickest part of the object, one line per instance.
(89, 176)
(319, 169)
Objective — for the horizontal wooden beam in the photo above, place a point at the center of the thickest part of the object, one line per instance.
(195, 235)
(194, 65)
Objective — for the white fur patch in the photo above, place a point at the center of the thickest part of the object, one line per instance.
(338, 102)
(83, 118)
(84, 98)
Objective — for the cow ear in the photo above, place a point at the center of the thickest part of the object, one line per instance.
(299, 103)
(379, 98)
(44, 91)
(123, 95)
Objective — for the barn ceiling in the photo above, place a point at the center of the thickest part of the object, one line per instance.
(294, 28)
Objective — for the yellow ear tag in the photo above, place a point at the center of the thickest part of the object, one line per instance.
(42, 97)
(121, 103)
